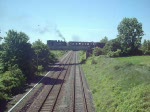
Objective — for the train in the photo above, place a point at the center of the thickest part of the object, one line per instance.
(72, 45)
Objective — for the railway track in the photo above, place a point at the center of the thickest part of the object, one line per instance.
(46, 100)
(65, 90)
(78, 98)
(81, 98)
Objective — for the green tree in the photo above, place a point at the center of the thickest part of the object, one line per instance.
(97, 51)
(146, 47)
(112, 45)
(104, 40)
(42, 54)
(11, 82)
(17, 51)
(130, 35)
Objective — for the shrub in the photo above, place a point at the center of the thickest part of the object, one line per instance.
(146, 47)
(40, 69)
(147, 52)
(82, 57)
(97, 51)
(11, 82)
(3, 95)
(114, 53)
(93, 61)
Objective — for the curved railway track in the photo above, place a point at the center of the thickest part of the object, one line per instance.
(65, 90)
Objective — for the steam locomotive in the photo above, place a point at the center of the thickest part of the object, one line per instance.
(72, 45)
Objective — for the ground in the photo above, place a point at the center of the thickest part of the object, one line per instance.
(119, 84)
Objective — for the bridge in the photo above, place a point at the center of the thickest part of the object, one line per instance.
(72, 45)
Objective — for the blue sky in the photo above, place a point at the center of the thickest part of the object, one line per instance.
(76, 20)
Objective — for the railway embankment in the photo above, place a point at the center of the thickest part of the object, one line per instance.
(119, 84)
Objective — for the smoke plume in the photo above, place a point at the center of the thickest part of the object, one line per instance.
(60, 35)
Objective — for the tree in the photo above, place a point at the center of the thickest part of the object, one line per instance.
(42, 54)
(17, 51)
(130, 35)
(112, 45)
(97, 51)
(146, 47)
(104, 40)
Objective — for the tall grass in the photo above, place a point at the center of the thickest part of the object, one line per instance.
(58, 53)
(119, 84)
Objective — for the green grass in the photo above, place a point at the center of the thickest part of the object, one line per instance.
(119, 84)
(58, 53)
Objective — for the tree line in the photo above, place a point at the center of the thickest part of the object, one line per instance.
(128, 41)
(20, 61)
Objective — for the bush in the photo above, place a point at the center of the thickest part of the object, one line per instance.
(93, 61)
(82, 57)
(16, 49)
(146, 47)
(53, 58)
(11, 82)
(147, 52)
(40, 69)
(114, 53)
(97, 51)
(3, 95)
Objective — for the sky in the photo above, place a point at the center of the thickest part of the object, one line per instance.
(75, 20)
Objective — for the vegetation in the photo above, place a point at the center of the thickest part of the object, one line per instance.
(42, 55)
(16, 49)
(104, 40)
(58, 53)
(128, 41)
(82, 57)
(10, 83)
(97, 51)
(130, 35)
(114, 53)
(20, 61)
(119, 84)
(112, 45)
(146, 47)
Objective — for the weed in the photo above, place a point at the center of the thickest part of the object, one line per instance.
(119, 84)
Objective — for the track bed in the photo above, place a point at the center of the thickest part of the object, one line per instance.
(64, 90)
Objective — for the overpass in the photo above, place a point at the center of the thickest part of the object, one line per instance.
(72, 45)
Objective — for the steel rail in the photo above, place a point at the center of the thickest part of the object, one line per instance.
(67, 71)
(53, 85)
(74, 95)
(83, 91)
(11, 109)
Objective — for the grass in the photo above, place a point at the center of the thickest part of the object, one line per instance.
(119, 84)
(58, 53)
